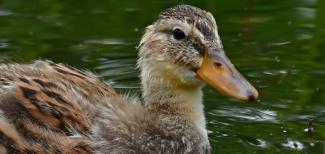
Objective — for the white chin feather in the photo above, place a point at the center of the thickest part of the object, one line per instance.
(180, 75)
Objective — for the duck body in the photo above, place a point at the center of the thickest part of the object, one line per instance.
(48, 107)
(52, 108)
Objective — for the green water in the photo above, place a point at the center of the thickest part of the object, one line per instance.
(278, 45)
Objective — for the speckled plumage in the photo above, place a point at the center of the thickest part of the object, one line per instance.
(53, 108)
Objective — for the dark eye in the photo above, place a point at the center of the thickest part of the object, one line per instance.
(178, 34)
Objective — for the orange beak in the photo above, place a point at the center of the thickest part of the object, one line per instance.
(219, 72)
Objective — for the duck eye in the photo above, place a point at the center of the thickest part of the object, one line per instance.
(178, 34)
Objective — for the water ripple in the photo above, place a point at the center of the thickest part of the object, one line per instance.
(247, 114)
(306, 12)
(5, 12)
(4, 43)
(259, 143)
(119, 73)
(280, 43)
(276, 72)
(292, 144)
(110, 41)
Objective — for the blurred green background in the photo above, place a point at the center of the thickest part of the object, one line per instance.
(278, 45)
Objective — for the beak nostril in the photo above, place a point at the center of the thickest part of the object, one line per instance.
(217, 64)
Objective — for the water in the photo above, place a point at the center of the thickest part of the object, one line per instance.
(278, 45)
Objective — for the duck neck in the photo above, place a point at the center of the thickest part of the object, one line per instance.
(166, 98)
(170, 101)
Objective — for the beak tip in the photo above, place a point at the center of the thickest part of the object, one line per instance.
(252, 96)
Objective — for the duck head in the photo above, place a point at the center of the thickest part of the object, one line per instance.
(183, 50)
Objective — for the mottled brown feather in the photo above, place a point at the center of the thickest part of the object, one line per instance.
(40, 115)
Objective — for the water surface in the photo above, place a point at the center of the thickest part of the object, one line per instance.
(278, 45)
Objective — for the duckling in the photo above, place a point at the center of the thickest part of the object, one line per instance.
(48, 107)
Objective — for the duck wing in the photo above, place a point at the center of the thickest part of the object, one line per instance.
(47, 107)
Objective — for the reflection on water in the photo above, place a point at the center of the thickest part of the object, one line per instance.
(5, 12)
(244, 114)
(278, 45)
(4, 43)
(107, 42)
(296, 145)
